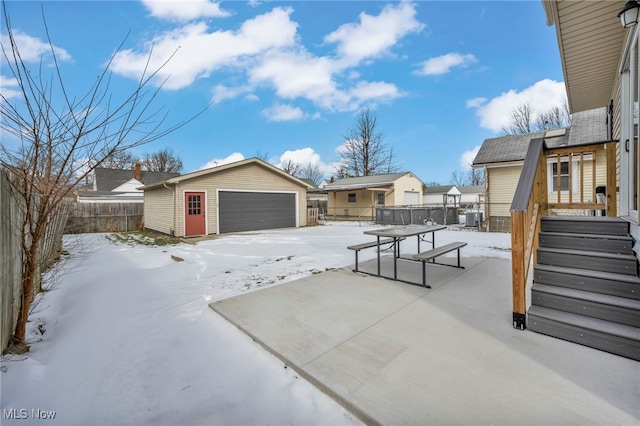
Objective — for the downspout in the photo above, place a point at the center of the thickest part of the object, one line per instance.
(487, 200)
(172, 231)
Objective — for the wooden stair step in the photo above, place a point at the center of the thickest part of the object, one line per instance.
(586, 259)
(593, 242)
(604, 335)
(611, 308)
(585, 225)
(621, 285)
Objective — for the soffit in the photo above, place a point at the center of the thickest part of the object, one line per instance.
(591, 39)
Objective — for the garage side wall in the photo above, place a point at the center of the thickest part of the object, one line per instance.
(159, 210)
(406, 183)
(250, 177)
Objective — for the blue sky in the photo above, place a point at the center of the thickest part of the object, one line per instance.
(287, 79)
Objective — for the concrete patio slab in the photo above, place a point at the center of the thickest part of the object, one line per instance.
(394, 353)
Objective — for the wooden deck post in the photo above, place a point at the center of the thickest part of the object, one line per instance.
(518, 268)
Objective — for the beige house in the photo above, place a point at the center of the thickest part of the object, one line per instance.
(358, 197)
(243, 196)
(502, 159)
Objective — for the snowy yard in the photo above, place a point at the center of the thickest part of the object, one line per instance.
(127, 337)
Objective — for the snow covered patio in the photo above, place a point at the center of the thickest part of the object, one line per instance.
(127, 337)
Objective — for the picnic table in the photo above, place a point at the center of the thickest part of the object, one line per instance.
(401, 232)
(395, 234)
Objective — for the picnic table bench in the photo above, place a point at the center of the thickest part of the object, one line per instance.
(430, 255)
(370, 244)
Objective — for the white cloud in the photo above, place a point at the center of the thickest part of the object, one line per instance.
(443, 64)
(302, 156)
(476, 102)
(467, 157)
(9, 87)
(32, 49)
(375, 35)
(267, 50)
(236, 156)
(221, 92)
(183, 11)
(282, 112)
(542, 96)
(198, 52)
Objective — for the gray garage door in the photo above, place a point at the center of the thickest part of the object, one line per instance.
(250, 211)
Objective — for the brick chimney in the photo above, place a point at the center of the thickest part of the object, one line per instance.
(138, 172)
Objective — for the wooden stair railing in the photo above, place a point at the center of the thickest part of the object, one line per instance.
(530, 203)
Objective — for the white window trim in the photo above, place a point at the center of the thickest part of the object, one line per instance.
(575, 173)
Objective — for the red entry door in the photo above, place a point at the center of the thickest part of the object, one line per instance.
(194, 214)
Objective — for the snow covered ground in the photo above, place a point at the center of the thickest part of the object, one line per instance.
(126, 335)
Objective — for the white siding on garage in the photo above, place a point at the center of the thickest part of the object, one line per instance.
(158, 210)
(246, 177)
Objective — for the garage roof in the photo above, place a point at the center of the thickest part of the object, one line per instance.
(228, 166)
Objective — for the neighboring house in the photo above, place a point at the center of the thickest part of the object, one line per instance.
(243, 196)
(316, 196)
(440, 195)
(472, 197)
(118, 185)
(502, 158)
(357, 197)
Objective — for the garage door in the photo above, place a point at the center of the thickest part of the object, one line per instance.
(250, 211)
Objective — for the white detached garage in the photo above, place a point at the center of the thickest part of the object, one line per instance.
(247, 195)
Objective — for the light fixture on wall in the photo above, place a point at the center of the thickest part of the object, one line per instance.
(629, 14)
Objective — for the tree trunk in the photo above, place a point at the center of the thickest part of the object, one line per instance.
(18, 342)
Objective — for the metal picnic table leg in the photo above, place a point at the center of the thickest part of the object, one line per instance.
(378, 240)
(396, 251)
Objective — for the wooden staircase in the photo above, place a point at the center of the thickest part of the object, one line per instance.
(586, 287)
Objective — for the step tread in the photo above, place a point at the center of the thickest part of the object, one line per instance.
(605, 299)
(602, 326)
(631, 279)
(619, 256)
(583, 219)
(590, 236)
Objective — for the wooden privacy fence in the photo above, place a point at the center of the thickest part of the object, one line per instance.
(312, 216)
(12, 215)
(105, 217)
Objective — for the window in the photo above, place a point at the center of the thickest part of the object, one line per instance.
(194, 206)
(380, 198)
(564, 176)
(352, 198)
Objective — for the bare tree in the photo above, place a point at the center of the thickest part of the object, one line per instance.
(471, 177)
(120, 160)
(365, 152)
(264, 156)
(291, 167)
(521, 119)
(312, 172)
(457, 178)
(555, 118)
(53, 139)
(164, 160)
